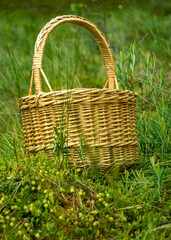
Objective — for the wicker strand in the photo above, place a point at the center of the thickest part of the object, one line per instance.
(31, 83)
(46, 80)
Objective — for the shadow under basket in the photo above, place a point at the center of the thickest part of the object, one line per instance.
(97, 125)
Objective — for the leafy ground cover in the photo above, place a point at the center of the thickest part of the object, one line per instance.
(40, 199)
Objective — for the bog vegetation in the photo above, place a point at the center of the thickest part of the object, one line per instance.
(42, 199)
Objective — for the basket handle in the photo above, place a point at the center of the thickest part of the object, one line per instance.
(41, 41)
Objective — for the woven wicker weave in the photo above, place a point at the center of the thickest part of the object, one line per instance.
(103, 118)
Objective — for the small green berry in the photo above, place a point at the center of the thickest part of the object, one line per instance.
(111, 219)
(108, 195)
(19, 232)
(33, 182)
(11, 224)
(26, 224)
(72, 189)
(95, 223)
(98, 196)
(38, 212)
(80, 193)
(94, 212)
(91, 219)
(7, 212)
(37, 235)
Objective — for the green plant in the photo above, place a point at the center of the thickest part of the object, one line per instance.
(158, 175)
(60, 145)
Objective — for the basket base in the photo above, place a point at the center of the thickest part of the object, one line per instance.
(100, 158)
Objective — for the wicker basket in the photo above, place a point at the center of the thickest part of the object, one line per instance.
(104, 119)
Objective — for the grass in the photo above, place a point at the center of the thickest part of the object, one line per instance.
(44, 199)
(38, 200)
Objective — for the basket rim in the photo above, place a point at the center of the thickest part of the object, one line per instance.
(80, 90)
